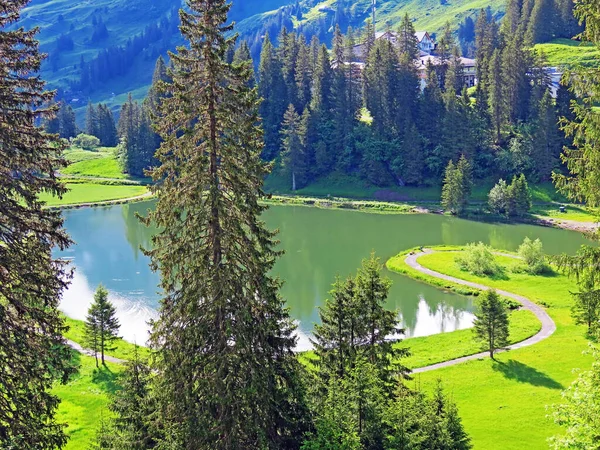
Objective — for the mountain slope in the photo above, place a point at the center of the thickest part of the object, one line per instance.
(75, 32)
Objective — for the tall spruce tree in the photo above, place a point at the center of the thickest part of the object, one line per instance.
(272, 89)
(134, 409)
(101, 324)
(34, 352)
(491, 323)
(225, 371)
(293, 161)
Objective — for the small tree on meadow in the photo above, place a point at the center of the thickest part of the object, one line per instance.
(101, 325)
(491, 322)
(532, 254)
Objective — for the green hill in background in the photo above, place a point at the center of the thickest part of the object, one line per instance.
(71, 31)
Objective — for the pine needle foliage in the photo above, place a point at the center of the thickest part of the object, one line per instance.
(491, 323)
(226, 375)
(32, 350)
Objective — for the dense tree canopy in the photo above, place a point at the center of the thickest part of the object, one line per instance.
(32, 348)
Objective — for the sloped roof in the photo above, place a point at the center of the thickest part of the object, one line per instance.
(421, 35)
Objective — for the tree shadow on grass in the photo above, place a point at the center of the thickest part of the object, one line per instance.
(515, 370)
(106, 379)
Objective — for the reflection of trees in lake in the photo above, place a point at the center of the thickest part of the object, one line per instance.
(137, 234)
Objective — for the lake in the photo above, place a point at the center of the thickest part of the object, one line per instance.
(319, 244)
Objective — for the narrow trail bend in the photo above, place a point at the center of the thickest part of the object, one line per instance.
(548, 325)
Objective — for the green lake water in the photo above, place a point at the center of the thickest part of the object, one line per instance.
(319, 244)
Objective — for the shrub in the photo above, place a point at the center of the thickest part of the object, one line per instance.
(478, 259)
(498, 198)
(86, 142)
(534, 259)
(512, 200)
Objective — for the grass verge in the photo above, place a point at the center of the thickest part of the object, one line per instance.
(86, 193)
(503, 403)
(123, 349)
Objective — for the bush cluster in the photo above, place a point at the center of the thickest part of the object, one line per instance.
(478, 259)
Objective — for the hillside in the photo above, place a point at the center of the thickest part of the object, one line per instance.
(73, 31)
(135, 32)
(430, 15)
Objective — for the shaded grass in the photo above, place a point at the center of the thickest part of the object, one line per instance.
(503, 403)
(84, 400)
(83, 193)
(123, 350)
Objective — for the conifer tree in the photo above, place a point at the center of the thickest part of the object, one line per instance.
(101, 324)
(271, 87)
(225, 371)
(407, 39)
(519, 197)
(159, 76)
(134, 408)
(491, 323)
(31, 280)
(379, 325)
(293, 161)
(497, 101)
(66, 121)
(107, 128)
(546, 139)
(336, 338)
(91, 120)
(303, 75)
(542, 23)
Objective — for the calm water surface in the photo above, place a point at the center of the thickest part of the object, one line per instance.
(319, 244)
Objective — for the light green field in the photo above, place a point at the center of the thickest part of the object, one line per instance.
(503, 404)
(572, 212)
(84, 400)
(568, 53)
(85, 193)
(123, 350)
(437, 348)
(103, 167)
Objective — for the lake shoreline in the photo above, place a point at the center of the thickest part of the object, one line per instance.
(370, 206)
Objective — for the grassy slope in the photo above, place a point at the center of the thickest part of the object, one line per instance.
(429, 15)
(84, 400)
(124, 19)
(568, 53)
(83, 193)
(122, 350)
(102, 163)
(503, 404)
(342, 185)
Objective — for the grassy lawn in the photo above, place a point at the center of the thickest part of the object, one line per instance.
(437, 348)
(84, 400)
(572, 212)
(81, 193)
(103, 167)
(569, 53)
(100, 163)
(503, 403)
(123, 350)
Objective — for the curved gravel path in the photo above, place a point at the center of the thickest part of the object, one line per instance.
(548, 325)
